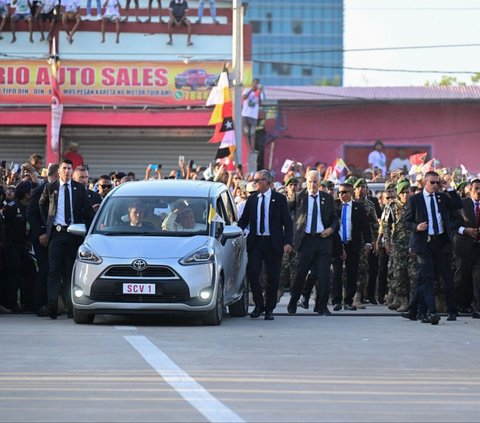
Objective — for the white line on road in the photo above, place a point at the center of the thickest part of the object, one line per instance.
(125, 327)
(194, 393)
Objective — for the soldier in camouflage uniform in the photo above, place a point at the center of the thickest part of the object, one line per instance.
(397, 240)
(360, 194)
(289, 261)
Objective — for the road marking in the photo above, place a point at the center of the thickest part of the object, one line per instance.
(194, 393)
(125, 327)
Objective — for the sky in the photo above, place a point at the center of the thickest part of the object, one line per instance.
(408, 23)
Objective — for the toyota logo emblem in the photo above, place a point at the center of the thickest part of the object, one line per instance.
(139, 265)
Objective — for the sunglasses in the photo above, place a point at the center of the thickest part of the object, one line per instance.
(435, 182)
(391, 198)
(343, 192)
(105, 186)
(258, 180)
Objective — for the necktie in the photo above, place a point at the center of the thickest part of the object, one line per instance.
(68, 210)
(344, 223)
(313, 226)
(262, 214)
(434, 216)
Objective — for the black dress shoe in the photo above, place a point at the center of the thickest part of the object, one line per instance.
(303, 302)
(452, 317)
(372, 300)
(349, 307)
(257, 311)
(475, 315)
(291, 308)
(269, 315)
(409, 316)
(431, 318)
(327, 312)
(337, 307)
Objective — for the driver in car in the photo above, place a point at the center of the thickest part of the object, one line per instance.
(136, 212)
(182, 219)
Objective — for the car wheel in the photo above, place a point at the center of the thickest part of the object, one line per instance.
(240, 308)
(214, 317)
(82, 317)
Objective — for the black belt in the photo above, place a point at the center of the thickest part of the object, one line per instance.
(317, 235)
(60, 228)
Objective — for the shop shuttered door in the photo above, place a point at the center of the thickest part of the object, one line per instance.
(18, 144)
(105, 150)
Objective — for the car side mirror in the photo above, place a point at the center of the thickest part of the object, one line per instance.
(77, 229)
(231, 232)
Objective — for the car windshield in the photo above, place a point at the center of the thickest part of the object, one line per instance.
(153, 216)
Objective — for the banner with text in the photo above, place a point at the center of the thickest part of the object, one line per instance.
(111, 83)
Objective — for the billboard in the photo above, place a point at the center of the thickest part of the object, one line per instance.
(111, 82)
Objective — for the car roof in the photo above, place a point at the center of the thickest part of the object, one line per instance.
(169, 187)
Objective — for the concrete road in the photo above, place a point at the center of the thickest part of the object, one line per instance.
(302, 368)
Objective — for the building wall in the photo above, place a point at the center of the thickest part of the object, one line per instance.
(288, 39)
(450, 131)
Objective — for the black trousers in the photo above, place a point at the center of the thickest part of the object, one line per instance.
(314, 253)
(40, 291)
(263, 251)
(62, 248)
(17, 266)
(437, 258)
(351, 267)
(467, 276)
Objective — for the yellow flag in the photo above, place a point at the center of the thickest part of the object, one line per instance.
(213, 216)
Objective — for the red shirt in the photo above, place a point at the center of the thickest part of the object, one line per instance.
(76, 159)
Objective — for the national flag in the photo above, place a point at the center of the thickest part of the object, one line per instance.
(213, 216)
(429, 166)
(418, 159)
(339, 170)
(415, 169)
(56, 104)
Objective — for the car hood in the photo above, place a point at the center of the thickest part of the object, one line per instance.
(147, 247)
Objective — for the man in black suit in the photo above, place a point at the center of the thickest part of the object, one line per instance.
(428, 217)
(62, 203)
(467, 247)
(80, 175)
(40, 243)
(266, 213)
(315, 222)
(354, 228)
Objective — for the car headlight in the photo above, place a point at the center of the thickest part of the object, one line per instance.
(200, 256)
(86, 255)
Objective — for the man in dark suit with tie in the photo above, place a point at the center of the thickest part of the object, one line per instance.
(62, 203)
(467, 246)
(354, 231)
(315, 222)
(427, 216)
(267, 215)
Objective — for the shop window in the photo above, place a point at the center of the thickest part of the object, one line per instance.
(297, 27)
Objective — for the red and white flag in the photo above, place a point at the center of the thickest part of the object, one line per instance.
(56, 105)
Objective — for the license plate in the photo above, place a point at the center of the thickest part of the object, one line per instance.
(139, 288)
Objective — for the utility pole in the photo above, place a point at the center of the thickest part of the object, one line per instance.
(237, 60)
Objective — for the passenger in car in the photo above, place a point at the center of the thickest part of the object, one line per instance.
(182, 220)
(136, 212)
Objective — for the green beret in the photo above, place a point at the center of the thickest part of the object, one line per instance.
(402, 185)
(358, 182)
(351, 180)
(462, 185)
(291, 180)
(327, 184)
(390, 185)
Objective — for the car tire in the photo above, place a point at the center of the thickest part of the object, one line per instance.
(214, 317)
(240, 308)
(82, 317)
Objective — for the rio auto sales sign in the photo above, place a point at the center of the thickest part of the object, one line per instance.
(109, 83)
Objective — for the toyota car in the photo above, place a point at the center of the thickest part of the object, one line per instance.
(162, 247)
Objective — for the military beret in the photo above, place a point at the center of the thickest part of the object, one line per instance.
(462, 185)
(291, 180)
(327, 184)
(390, 185)
(351, 180)
(402, 185)
(359, 181)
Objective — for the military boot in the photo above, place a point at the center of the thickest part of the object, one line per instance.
(403, 305)
(395, 303)
(357, 301)
(389, 298)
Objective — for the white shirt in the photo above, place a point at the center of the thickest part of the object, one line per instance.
(111, 9)
(268, 196)
(320, 227)
(378, 159)
(349, 221)
(461, 229)
(427, 197)
(71, 5)
(398, 163)
(22, 7)
(251, 105)
(60, 216)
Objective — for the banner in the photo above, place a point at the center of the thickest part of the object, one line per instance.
(111, 83)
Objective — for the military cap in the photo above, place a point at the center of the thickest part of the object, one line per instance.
(402, 185)
(327, 184)
(359, 181)
(351, 180)
(291, 180)
(462, 185)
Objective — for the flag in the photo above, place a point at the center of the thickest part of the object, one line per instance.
(415, 169)
(418, 159)
(464, 170)
(429, 166)
(339, 170)
(56, 104)
(213, 216)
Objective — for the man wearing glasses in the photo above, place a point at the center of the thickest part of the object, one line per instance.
(428, 218)
(271, 231)
(315, 223)
(104, 185)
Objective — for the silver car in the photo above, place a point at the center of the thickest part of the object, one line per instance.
(159, 247)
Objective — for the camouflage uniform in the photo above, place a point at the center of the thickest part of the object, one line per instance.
(362, 280)
(402, 264)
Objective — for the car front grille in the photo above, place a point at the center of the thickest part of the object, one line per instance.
(159, 272)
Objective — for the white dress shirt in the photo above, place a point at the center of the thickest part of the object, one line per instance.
(461, 229)
(268, 196)
(320, 227)
(426, 197)
(60, 216)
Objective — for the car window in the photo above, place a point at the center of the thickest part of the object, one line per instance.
(229, 208)
(160, 215)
